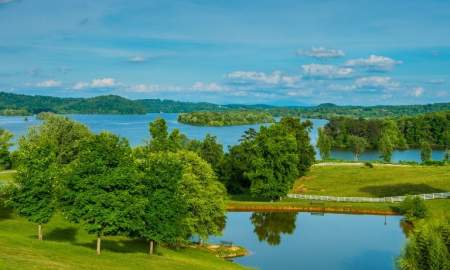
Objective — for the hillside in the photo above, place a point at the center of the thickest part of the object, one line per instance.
(17, 104)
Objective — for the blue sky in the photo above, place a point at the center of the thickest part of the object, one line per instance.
(226, 51)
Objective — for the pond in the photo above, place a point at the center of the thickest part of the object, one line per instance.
(135, 129)
(291, 240)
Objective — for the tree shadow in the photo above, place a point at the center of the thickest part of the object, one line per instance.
(119, 246)
(62, 235)
(5, 212)
(400, 190)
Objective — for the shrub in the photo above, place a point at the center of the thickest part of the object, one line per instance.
(413, 208)
(368, 164)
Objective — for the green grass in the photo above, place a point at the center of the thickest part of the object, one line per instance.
(6, 176)
(67, 246)
(379, 181)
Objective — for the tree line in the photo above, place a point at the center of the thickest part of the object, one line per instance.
(166, 191)
(426, 132)
(226, 118)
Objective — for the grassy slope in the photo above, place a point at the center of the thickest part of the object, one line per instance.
(67, 246)
(380, 181)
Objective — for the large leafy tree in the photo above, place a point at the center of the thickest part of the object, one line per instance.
(5, 143)
(236, 162)
(211, 151)
(204, 196)
(324, 143)
(163, 141)
(305, 150)
(102, 189)
(42, 158)
(165, 208)
(274, 165)
(357, 145)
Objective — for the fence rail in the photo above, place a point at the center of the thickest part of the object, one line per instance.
(429, 196)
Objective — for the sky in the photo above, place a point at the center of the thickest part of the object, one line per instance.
(279, 52)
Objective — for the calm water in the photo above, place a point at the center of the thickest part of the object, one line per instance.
(286, 241)
(135, 129)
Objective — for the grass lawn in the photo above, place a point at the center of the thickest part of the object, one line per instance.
(6, 176)
(67, 246)
(379, 181)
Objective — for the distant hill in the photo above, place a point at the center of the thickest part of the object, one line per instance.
(16, 104)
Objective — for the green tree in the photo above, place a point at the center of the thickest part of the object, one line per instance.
(165, 209)
(274, 165)
(386, 148)
(211, 151)
(357, 145)
(5, 143)
(160, 135)
(102, 189)
(324, 143)
(204, 195)
(428, 248)
(413, 208)
(236, 162)
(425, 151)
(305, 151)
(42, 157)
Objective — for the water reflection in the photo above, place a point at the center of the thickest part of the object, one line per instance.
(269, 226)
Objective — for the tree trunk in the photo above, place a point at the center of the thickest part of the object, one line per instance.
(99, 243)
(150, 247)
(40, 232)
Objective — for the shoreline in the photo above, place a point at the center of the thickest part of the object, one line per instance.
(335, 209)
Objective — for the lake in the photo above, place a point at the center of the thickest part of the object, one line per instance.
(290, 240)
(135, 129)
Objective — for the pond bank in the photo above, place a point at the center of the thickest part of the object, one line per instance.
(339, 208)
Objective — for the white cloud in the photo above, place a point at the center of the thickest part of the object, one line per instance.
(374, 63)
(104, 82)
(276, 78)
(321, 52)
(49, 84)
(326, 71)
(137, 59)
(80, 85)
(375, 82)
(96, 83)
(208, 87)
(418, 91)
(436, 81)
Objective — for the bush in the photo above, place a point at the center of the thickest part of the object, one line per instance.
(434, 163)
(427, 249)
(368, 164)
(413, 208)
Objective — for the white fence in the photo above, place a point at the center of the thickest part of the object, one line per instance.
(430, 196)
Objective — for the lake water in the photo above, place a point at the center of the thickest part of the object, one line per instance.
(286, 241)
(135, 129)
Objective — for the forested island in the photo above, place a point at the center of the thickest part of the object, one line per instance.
(226, 118)
(17, 104)
(425, 131)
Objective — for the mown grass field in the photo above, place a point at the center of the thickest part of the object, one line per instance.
(67, 246)
(379, 181)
